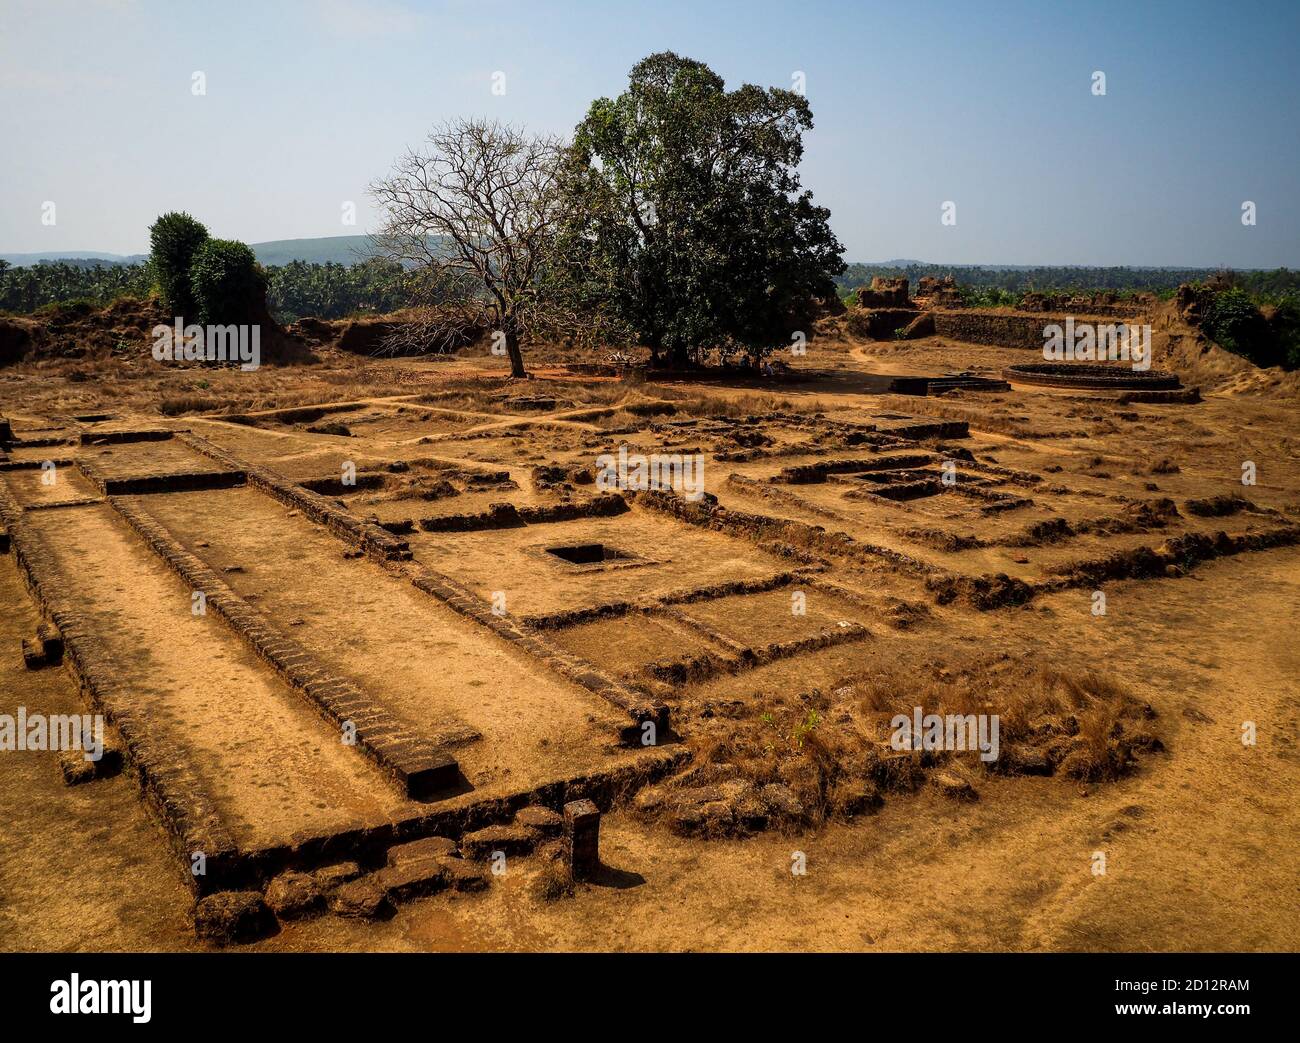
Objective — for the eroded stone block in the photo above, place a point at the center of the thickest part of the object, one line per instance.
(427, 849)
(514, 839)
(231, 917)
(547, 822)
(582, 830)
(292, 895)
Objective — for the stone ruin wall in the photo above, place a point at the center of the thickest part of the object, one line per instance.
(885, 307)
(1011, 329)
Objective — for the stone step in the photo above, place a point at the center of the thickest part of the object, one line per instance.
(428, 849)
(546, 822)
(514, 839)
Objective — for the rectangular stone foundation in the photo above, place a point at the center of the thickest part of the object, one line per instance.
(415, 764)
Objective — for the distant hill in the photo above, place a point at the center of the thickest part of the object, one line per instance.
(79, 258)
(339, 249)
(351, 249)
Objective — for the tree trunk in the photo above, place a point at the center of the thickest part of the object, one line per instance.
(516, 356)
(655, 343)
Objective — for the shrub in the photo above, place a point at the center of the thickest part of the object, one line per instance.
(226, 282)
(1234, 322)
(988, 297)
(1286, 328)
(178, 405)
(173, 241)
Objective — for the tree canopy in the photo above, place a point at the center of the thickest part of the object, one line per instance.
(477, 212)
(685, 215)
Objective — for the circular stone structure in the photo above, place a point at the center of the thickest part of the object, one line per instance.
(1098, 376)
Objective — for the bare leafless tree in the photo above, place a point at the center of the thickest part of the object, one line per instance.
(479, 207)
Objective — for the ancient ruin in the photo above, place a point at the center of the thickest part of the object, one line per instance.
(376, 648)
(589, 480)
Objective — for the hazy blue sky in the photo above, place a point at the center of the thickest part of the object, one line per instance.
(989, 105)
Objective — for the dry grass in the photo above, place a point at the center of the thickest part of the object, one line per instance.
(553, 879)
(832, 750)
(1085, 725)
(179, 405)
(724, 404)
(103, 382)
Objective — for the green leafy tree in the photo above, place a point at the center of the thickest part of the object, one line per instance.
(28, 287)
(173, 240)
(1286, 327)
(1235, 323)
(685, 214)
(226, 283)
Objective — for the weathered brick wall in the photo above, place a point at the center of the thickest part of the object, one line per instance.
(414, 762)
(388, 549)
(879, 323)
(1005, 329)
(171, 786)
(376, 541)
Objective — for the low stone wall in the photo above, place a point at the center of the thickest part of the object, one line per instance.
(33, 464)
(1006, 329)
(177, 795)
(774, 534)
(508, 516)
(161, 481)
(1003, 329)
(123, 437)
(385, 547)
(375, 540)
(1057, 306)
(415, 763)
(614, 609)
(811, 474)
(704, 665)
(172, 788)
(368, 841)
(459, 598)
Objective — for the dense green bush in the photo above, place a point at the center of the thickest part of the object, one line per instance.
(1286, 327)
(226, 282)
(173, 241)
(988, 297)
(1234, 322)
